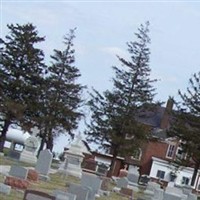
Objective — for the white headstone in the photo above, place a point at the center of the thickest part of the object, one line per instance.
(29, 152)
(73, 158)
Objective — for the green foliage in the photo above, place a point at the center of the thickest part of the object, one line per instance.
(114, 113)
(21, 73)
(32, 94)
(60, 106)
(186, 122)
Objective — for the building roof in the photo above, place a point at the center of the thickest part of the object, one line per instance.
(152, 117)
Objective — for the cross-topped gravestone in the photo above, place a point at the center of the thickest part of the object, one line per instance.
(35, 130)
(29, 152)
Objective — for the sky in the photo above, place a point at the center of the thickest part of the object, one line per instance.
(103, 29)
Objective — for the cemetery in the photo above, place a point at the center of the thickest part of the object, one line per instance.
(40, 179)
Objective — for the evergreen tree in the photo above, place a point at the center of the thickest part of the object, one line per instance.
(21, 72)
(114, 113)
(186, 124)
(60, 106)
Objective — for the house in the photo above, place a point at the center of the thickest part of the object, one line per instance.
(156, 157)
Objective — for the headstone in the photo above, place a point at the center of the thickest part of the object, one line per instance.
(93, 181)
(37, 195)
(133, 178)
(61, 195)
(187, 189)
(144, 179)
(74, 157)
(127, 192)
(158, 194)
(105, 183)
(102, 170)
(28, 154)
(150, 189)
(174, 190)
(5, 189)
(122, 182)
(35, 130)
(192, 196)
(14, 154)
(43, 164)
(170, 196)
(18, 171)
(82, 193)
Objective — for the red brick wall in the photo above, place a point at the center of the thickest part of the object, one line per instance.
(152, 149)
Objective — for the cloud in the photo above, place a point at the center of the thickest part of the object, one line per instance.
(29, 12)
(115, 51)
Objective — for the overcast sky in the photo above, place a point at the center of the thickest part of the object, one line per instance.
(104, 27)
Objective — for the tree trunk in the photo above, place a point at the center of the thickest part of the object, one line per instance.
(196, 168)
(41, 145)
(49, 142)
(6, 125)
(112, 165)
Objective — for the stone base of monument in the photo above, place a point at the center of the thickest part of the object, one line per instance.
(28, 157)
(74, 170)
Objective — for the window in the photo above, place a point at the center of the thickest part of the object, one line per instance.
(170, 151)
(137, 154)
(160, 174)
(185, 180)
(180, 154)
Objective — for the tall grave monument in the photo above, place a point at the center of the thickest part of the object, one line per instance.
(31, 146)
(73, 158)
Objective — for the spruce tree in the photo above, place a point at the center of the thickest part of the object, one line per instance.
(114, 113)
(21, 72)
(60, 106)
(186, 124)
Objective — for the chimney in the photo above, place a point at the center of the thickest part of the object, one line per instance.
(164, 124)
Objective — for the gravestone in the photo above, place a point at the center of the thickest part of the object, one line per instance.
(102, 170)
(170, 196)
(187, 189)
(93, 181)
(14, 154)
(62, 195)
(18, 171)
(74, 157)
(80, 191)
(43, 164)
(133, 178)
(5, 189)
(37, 195)
(174, 190)
(192, 196)
(158, 194)
(144, 179)
(122, 182)
(150, 189)
(127, 192)
(28, 154)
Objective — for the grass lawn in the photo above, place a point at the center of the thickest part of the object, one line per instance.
(56, 182)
